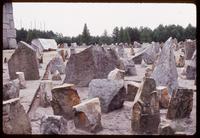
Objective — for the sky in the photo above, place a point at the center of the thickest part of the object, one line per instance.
(69, 18)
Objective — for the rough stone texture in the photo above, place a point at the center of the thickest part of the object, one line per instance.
(165, 129)
(190, 46)
(191, 68)
(93, 62)
(24, 60)
(130, 68)
(148, 72)
(111, 93)
(137, 45)
(164, 96)
(9, 32)
(150, 52)
(11, 90)
(132, 88)
(22, 81)
(47, 72)
(56, 76)
(116, 74)
(145, 112)
(181, 103)
(57, 64)
(121, 52)
(165, 72)
(64, 97)
(88, 115)
(52, 124)
(180, 62)
(15, 119)
(137, 58)
(61, 52)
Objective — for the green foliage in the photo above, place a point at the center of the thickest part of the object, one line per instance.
(124, 35)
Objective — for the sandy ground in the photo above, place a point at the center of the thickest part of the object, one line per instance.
(114, 123)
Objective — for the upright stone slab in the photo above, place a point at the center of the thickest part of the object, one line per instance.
(52, 124)
(165, 72)
(64, 97)
(130, 68)
(120, 50)
(93, 62)
(164, 96)
(191, 68)
(15, 119)
(22, 81)
(145, 112)
(57, 64)
(24, 60)
(111, 93)
(181, 104)
(132, 88)
(88, 115)
(190, 46)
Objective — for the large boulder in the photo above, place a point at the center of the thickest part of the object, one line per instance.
(181, 104)
(53, 124)
(146, 112)
(15, 119)
(64, 97)
(24, 59)
(11, 89)
(165, 71)
(93, 62)
(88, 115)
(111, 93)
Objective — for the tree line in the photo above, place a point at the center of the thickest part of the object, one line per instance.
(119, 35)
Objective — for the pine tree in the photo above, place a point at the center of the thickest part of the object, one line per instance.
(85, 35)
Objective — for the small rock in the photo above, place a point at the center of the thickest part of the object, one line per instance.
(64, 97)
(116, 74)
(52, 124)
(166, 129)
(22, 82)
(88, 115)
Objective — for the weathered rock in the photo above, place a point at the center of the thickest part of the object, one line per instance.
(61, 52)
(15, 119)
(121, 52)
(145, 112)
(47, 72)
(164, 96)
(132, 88)
(132, 51)
(116, 74)
(190, 46)
(56, 76)
(148, 72)
(64, 97)
(180, 62)
(88, 115)
(137, 58)
(190, 70)
(181, 104)
(26, 56)
(72, 50)
(130, 68)
(165, 129)
(22, 81)
(111, 93)
(165, 72)
(93, 62)
(11, 90)
(57, 64)
(52, 124)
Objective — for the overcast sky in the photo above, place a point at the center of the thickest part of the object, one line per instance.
(69, 18)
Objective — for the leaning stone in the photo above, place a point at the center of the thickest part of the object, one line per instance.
(64, 97)
(22, 81)
(164, 96)
(11, 89)
(132, 88)
(181, 104)
(145, 112)
(116, 74)
(15, 119)
(24, 59)
(92, 63)
(56, 76)
(165, 129)
(88, 115)
(165, 72)
(110, 92)
(53, 124)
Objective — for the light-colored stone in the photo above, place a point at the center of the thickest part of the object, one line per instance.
(21, 78)
(56, 76)
(111, 93)
(116, 74)
(88, 115)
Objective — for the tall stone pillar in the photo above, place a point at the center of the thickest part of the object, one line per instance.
(9, 32)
